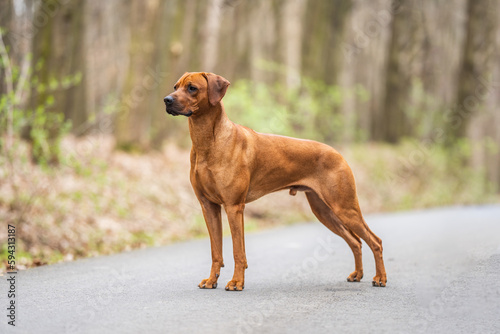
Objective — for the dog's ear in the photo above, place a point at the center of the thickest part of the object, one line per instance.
(217, 87)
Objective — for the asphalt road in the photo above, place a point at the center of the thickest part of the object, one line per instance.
(443, 271)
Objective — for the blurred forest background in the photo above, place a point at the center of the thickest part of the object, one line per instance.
(407, 90)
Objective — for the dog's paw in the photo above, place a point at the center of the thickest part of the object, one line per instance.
(355, 276)
(208, 284)
(233, 285)
(379, 281)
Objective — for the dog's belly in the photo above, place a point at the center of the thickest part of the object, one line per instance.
(256, 194)
(291, 175)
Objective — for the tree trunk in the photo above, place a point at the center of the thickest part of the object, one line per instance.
(292, 29)
(5, 24)
(405, 44)
(171, 59)
(262, 39)
(58, 59)
(475, 80)
(211, 43)
(476, 116)
(106, 51)
(133, 121)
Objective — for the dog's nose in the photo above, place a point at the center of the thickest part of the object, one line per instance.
(168, 100)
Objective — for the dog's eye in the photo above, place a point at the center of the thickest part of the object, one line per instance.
(192, 88)
(175, 88)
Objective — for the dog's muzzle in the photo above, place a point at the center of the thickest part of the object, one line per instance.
(171, 108)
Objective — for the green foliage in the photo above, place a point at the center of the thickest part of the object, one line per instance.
(313, 111)
(46, 132)
(44, 128)
(424, 111)
(21, 256)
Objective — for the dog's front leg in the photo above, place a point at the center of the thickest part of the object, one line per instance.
(212, 215)
(235, 217)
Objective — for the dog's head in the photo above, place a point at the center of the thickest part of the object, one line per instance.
(194, 92)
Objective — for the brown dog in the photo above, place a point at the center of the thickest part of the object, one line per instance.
(232, 165)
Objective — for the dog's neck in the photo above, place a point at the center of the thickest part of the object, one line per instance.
(209, 128)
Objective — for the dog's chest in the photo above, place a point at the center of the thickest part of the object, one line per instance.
(208, 180)
(216, 181)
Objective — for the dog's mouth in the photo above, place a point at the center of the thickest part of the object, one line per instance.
(173, 112)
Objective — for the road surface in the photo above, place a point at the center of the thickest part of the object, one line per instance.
(443, 269)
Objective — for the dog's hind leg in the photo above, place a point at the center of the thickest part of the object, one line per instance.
(342, 199)
(354, 221)
(331, 221)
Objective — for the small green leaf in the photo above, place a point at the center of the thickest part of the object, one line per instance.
(50, 101)
(53, 84)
